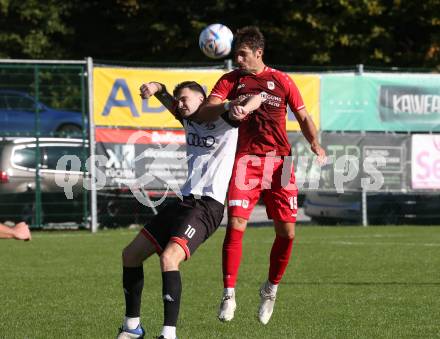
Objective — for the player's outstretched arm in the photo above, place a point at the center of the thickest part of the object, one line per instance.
(309, 130)
(6, 232)
(160, 92)
(19, 232)
(210, 110)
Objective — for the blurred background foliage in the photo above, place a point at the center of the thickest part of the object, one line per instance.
(382, 33)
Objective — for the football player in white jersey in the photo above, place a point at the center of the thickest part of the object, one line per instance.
(176, 232)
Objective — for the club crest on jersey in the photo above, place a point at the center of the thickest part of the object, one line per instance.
(271, 85)
(241, 86)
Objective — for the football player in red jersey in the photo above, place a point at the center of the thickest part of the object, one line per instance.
(260, 163)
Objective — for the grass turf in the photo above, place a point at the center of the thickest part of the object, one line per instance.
(343, 282)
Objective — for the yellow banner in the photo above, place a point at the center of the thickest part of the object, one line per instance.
(117, 101)
(308, 85)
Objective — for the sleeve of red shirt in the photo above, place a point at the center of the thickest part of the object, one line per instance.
(224, 86)
(293, 96)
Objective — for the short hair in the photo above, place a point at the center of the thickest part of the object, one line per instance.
(192, 85)
(250, 36)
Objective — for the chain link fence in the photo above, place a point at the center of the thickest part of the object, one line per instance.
(43, 116)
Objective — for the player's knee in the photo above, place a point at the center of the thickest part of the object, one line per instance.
(238, 223)
(290, 234)
(286, 233)
(169, 260)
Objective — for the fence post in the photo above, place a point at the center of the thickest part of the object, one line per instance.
(228, 65)
(38, 203)
(364, 208)
(92, 144)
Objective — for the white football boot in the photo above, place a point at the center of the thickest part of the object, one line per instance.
(227, 307)
(267, 302)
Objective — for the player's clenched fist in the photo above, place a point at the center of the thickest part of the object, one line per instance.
(241, 108)
(238, 113)
(149, 89)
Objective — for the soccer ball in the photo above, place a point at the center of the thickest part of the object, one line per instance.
(215, 41)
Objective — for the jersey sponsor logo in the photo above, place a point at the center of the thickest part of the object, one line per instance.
(194, 139)
(270, 85)
(241, 86)
(270, 99)
(240, 203)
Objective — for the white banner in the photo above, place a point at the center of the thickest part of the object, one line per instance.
(425, 161)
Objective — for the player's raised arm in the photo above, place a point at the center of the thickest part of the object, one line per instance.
(160, 92)
(211, 109)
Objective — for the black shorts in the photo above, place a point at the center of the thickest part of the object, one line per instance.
(188, 223)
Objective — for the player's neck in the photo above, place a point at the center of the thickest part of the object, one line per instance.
(258, 69)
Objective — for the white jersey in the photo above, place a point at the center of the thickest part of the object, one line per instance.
(210, 150)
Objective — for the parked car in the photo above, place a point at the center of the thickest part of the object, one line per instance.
(382, 208)
(17, 115)
(18, 161)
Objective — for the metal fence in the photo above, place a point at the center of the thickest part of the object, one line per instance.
(43, 115)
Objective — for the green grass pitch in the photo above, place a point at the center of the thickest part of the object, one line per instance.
(342, 282)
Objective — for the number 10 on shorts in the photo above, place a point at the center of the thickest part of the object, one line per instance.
(190, 231)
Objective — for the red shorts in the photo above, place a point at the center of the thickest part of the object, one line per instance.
(271, 177)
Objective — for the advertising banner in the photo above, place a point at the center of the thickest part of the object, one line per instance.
(307, 169)
(117, 102)
(425, 161)
(375, 162)
(380, 102)
(308, 85)
(116, 95)
(148, 159)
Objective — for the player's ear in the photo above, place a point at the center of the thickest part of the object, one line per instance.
(259, 53)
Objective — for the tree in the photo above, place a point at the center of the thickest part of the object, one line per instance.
(380, 33)
(31, 29)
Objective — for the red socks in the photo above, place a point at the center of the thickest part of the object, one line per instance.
(232, 250)
(279, 258)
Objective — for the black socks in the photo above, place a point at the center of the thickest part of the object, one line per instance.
(133, 283)
(171, 291)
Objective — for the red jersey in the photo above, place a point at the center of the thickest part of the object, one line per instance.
(265, 129)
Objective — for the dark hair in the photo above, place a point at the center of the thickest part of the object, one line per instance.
(250, 36)
(192, 85)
